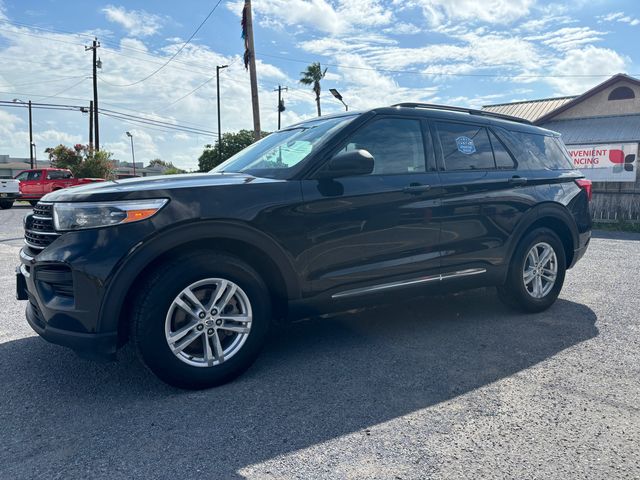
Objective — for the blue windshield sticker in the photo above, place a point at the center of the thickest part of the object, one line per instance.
(465, 145)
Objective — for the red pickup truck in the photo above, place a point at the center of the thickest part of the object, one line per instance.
(36, 183)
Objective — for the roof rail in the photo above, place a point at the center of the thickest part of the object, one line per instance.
(470, 111)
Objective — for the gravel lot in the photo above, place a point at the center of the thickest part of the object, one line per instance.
(448, 387)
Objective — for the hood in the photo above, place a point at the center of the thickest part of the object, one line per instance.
(147, 187)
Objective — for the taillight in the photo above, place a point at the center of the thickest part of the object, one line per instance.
(585, 185)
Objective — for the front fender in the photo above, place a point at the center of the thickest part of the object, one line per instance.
(145, 252)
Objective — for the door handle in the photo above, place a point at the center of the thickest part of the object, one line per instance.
(416, 188)
(516, 180)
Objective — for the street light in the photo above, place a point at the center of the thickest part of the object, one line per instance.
(17, 100)
(133, 153)
(336, 94)
(218, 68)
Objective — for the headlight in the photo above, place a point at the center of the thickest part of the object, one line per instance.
(78, 216)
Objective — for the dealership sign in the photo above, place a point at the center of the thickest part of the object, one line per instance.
(606, 163)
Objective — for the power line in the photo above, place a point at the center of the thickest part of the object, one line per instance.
(152, 128)
(177, 52)
(60, 79)
(114, 47)
(155, 122)
(125, 117)
(65, 90)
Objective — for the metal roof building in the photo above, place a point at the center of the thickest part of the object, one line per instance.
(601, 129)
(530, 110)
(577, 131)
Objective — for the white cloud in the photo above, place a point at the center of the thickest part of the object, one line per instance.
(137, 22)
(403, 28)
(439, 12)
(587, 61)
(569, 38)
(319, 14)
(619, 17)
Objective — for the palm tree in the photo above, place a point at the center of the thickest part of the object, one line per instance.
(312, 76)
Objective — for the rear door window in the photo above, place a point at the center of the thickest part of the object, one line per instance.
(465, 147)
(504, 160)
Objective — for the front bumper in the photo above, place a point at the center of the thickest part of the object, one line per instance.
(57, 322)
(8, 196)
(93, 346)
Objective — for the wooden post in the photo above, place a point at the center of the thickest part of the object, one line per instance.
(252, 72)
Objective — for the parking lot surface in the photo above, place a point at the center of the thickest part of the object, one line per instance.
(444, 387)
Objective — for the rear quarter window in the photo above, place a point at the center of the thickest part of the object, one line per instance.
(537, 151)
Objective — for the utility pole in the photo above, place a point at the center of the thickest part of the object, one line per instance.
(30, 136)
(91, 126)
(96, 64)
(218, 68)
(28, 104)
(133, 153)
(280, 102)
(251, 52)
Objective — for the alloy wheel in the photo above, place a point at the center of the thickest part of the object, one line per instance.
(208, 322)
(540, 270)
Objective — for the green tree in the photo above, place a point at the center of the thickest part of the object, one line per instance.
(95, 165)
(83, 161)
(156, 162)
(65, 157)
(173, 170)
(312, 76)
(232, 143)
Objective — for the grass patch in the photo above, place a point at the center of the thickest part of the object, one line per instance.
(617, 226)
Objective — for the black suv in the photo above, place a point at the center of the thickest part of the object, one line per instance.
(332, 213)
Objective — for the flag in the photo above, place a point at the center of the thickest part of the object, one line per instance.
(245, 37)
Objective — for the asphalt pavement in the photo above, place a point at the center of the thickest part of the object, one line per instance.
(446, 387)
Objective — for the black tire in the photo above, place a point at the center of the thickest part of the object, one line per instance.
(157, 295)
(514, 292)
(33, 203)
(6, 204)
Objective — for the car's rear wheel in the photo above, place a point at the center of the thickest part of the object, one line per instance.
(33, 203)
(536, 273)
(201, 320)
(6, 204)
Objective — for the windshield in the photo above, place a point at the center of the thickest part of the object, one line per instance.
(278, 153)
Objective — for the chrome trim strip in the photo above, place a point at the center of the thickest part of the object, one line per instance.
(463, 273)
(23, 271)
(406, 283)
(38, 232)
(24, 256)
(31, 245)
(40, 217)
(384, 286)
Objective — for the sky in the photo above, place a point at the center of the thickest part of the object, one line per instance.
(457, 52)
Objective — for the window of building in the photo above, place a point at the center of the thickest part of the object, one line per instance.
(395, 143)
(621, 93)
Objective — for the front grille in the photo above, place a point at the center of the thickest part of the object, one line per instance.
(38, 229)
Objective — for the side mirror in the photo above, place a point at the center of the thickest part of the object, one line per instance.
(347, 164)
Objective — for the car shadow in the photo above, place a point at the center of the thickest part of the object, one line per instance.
(315, 381)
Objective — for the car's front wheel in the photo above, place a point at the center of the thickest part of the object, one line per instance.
(6, 204)
(536, 273)
(201, 320)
